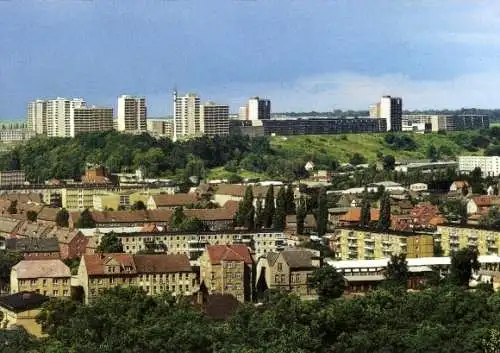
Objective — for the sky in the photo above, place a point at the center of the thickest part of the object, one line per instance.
(304, 55)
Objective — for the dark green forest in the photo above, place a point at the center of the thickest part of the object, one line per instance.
(442, 319)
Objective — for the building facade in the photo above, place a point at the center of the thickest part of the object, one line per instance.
(358, 244)
(12, 177)
(160, 127)
(485, 241)
(391, 110)
(441, 122)
(186, 116)
(490, 165)
(258, 109)
(155, 274)
(59, 115)
(227, 269)
(37, 116)
(21, 309)
(90, 119)
(214, 119)
(131, 114)
(49, 277)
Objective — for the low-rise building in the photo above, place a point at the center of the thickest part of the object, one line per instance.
(12, 177)
(48, 277)
(35, 248)
(227, 269)
(287, 271)
(481, 204)
(156, 274)
(367, 244)
(170, 202)
(489, 165)
(21, 309)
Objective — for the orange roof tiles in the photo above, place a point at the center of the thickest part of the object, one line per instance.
(234, 252)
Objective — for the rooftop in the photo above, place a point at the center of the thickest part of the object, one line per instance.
(23, 301)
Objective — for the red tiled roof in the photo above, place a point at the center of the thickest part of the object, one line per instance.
(232, 205)
(48, 214)
(437, 220)
(95, 262)
(149, 228)
(212, 214)
(162, 263)
(234, 252)
(461, 183)
(174, 200)
(238, 190)
(486, 201)
(354, 215)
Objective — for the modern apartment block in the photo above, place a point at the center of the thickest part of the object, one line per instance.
(360, 244)
(391, 110)
(59, 115)
(90, 119)
(259, 109)
(132, 114)
(12, 177)
(485, 241)
(435, 123)
(187, 122)
(490, 165)
(214, 119)
(160, 127)
(37, 116)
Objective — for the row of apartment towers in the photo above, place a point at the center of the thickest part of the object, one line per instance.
(62, 117)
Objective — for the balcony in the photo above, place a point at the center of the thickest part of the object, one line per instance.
(473, 236)
(369, 240)
(352, 245)
(353, 253)
(369, 247)
(352, 236)
(454, 242)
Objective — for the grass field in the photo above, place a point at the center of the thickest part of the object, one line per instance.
(342, 147)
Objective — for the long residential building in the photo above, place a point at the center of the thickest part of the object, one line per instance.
(37, 116)
(453, 238)
(186, 116)
(443, 122)
(192, 244)
(490, 165)
(90, 119)
(155, 274)
(362, 244)
(131, 114)
(59, 115)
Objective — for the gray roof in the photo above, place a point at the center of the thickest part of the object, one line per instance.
(298, 258)
(41, 269)
(272, 257)
(33, 244)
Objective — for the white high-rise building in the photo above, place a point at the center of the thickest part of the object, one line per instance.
(132, 114)
(59, 115)
(391, 109)
(243, 113)
(186, 116)
(258, 109)
(214, 119)
(490, 165)
(37, 116)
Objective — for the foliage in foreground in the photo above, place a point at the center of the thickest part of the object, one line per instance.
(439, 319)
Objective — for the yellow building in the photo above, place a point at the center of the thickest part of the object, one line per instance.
(21, 309)
(82, 197)
(48, 277)
(360, 244)
(227, 269)
(154, 273)
(124, 199)
(451, 238)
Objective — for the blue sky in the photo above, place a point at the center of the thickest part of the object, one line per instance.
(302, 54)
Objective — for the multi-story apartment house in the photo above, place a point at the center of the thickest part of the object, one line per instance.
(435, 123)
(16, 134)
(90, 119)
(214, 119)
(258, 109)
(48, 277)
(156, 274)
(59, 115)
(227, 269)
(186, 116)
(82, 197)
(131, 114)
(287, 271)
(360, 244)
(391, 110)
(453, 238)
(37, 116)
(192, 244)
(123, 199)
(12, 178)
(160, 127)
(490, 165)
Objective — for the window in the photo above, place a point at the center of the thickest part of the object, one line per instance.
(280, 266)
(55, 281)
(44, 282)
(55, 292)
(65, 292)
(277, 278)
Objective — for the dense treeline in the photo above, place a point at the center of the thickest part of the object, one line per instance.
(438, 319)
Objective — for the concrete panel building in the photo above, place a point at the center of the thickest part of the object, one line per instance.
(131, 114)
(186, 116)
(90, 119)
(214, 119)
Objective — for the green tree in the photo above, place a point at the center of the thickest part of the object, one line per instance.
(62, 218)
(56, 312)
(31, 216)
(138, 205)
(279, 220)
(384, 221)
(389, 162)
(85, 220)
(7, 260)
(269, 207)
(463, 263)
(328, 283)
(110, 243)
(245, 217)
(357, 159)
(322, 213)
(301, 215)
(177, 218)
(365, 217)
(259, 214)
(397, 272)
(432, 153)
(290, 200)
(191, 225)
